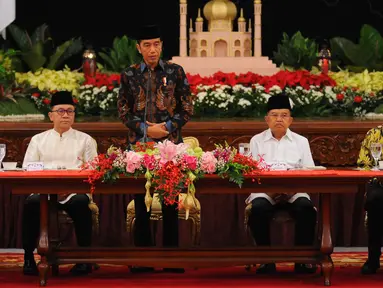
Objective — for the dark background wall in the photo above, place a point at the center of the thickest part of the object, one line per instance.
(99, 22)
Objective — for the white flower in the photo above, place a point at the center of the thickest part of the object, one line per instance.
(276, 89)
(244, 103)
(266, 96)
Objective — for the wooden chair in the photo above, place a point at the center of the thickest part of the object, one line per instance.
(282, 218)
(156, 211)
(63, 219)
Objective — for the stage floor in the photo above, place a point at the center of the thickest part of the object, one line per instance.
(347, 263)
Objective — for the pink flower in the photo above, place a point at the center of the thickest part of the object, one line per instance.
(208, 162)
(149, 161)
(132, 161)
(168, 151)
(190, 161)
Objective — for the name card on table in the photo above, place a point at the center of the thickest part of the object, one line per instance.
(35, 166)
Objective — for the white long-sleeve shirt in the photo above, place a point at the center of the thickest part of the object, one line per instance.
(71, 150)
(292, 150)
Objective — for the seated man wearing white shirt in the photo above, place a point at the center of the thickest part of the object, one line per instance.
(59, 148)
(282, 149)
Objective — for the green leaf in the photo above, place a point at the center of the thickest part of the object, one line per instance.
(20, 107)
(35, 58)
(371, 38)
(39, 34)
(368, 54)
(21, 38)
(63, 52)
(121, 55)
(296, 52)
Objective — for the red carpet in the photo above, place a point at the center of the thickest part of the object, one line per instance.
(346, 274)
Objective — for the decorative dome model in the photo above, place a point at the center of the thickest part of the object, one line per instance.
(220, 48)
(220, 14)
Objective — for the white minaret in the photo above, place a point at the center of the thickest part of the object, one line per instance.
(199, 22)
(191, 26)
(183, 28)
(257, 28)
(241, 23)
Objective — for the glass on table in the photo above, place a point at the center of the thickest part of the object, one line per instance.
(244, 149)
(3, 151)
(376, 152)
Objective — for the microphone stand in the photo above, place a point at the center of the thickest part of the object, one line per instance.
(148, 98)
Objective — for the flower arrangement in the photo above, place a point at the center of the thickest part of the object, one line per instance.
(171, 168)
(364, 81)
(49, 80)
(99, 95)
(311, 95)
(7, 75)
(226, 94)
(358, 102)
(40, 86)
(283, 79)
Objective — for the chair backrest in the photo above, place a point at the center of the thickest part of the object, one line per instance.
(192, 141)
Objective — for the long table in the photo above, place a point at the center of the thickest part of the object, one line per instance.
(324, 183)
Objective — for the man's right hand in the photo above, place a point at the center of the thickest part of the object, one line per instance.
(157, 131)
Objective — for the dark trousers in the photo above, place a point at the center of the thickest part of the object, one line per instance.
(374, 208)
(77, 208)
(142, 233)
(302, 210)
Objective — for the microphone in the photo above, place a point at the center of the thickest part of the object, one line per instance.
(148, 97)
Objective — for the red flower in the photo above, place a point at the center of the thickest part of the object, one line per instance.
(339, 97)
(36, 95)
(46, 101)
(75, 101)
(358, 99)
(170, 180)
(282, 79)
(101, 79)
(103, 165)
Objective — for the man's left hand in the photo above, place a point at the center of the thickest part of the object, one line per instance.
(161, 125)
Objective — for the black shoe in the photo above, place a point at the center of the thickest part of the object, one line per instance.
(267, 269)
(30, 267)
(139, 269)
(369, 267)
(305, 268)
(81, 269)
(174, 270)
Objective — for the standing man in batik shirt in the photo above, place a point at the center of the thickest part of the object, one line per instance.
(59, 148)
(282, 149)
(373, 203)
(167, 107)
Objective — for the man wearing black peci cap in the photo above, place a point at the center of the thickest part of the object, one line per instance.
(282, 149)
(154, 103)
(59, 148)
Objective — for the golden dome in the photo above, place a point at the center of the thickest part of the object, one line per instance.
(220, 10)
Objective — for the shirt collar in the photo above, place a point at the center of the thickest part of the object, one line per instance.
(65, 134)
(161, 64)
(269, 135)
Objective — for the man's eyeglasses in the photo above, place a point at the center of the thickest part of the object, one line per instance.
(62, 112)
(276, 116)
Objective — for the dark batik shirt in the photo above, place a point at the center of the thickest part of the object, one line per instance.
(170, 99)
